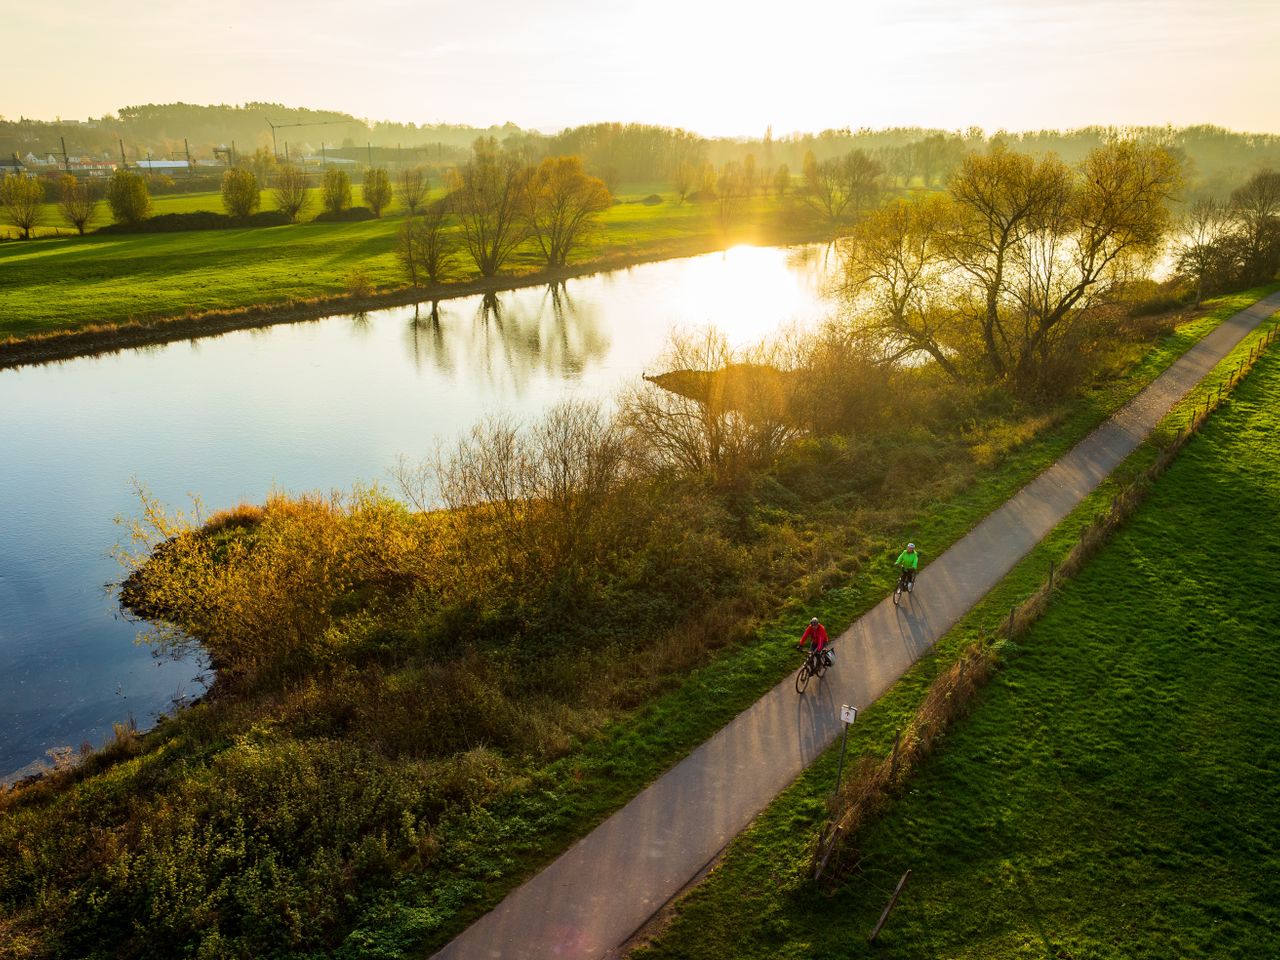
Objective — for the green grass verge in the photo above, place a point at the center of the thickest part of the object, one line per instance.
(1113, 793)
(490, 852)
(70, 282)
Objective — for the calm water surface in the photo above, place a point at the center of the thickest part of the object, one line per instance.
(307, 406)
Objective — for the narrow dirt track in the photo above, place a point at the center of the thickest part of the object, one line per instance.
(604, 888)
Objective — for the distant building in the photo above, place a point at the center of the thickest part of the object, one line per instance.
(314, 160)
(11, 165)
(162, 166)
(88, 167)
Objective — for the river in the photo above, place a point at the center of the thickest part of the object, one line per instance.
(307, 406)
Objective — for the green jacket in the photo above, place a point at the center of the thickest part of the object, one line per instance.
(909, 559)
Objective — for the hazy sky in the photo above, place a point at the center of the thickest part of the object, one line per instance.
(716, 67)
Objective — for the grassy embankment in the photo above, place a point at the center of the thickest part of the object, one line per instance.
(54, 285)
(1112, 793)
(263, 815)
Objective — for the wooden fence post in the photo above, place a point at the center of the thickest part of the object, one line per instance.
(831, 845)
(888, 908)
(1051, 576)
(1013, 609)
(893, 764)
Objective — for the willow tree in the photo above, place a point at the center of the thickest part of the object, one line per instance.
(21, 197)
(562, 201)
(335, 190)
(1000, 198)
(77, 201)
(241, 194)
(290, 191)
(128, 197)
(488, 195)
(377, 190)
(1085, 252)
(1008, 276)
(412, 186)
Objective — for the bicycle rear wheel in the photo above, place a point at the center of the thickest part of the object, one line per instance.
(802, 678)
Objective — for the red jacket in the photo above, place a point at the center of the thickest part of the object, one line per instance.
(817, 635)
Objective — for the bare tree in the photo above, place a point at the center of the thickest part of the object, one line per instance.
(546, 498)
(685, 179)
(487, 194)
(22, 197)
(425, 247)
(893, 286)
(264, 164)
(77, 201)
(413, 185)
(290, 191)
(750, 174)
(561, 202)
(781, 180)
(730, 193)
(1000, 198)
(707, 179)
(841, 185)
(376, 190)
(1083, 251)
(1007, 277)
(714, 412)
(1256, 207)
(1204, 226)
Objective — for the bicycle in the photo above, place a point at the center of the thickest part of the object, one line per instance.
(815, 665)
(904, 584)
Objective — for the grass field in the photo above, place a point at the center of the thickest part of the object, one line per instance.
(1113, 793)
(72, 281)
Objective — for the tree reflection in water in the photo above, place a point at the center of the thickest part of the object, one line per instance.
(426, 339)
(510, 337)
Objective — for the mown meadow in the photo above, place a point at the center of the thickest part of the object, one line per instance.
(1111, 792)
(69, 282)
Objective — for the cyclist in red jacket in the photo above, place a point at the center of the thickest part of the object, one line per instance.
(816, 635)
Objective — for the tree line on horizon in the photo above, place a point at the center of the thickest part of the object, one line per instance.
(616, 152)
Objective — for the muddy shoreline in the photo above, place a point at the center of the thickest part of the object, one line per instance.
(97, 340)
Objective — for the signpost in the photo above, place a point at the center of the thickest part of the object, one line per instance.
(848, 714)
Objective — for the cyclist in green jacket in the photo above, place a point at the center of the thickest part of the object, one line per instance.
(909, 561)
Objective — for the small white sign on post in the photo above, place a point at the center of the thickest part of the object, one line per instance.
(848, 714)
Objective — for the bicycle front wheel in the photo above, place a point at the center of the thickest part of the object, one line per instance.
(802, 678)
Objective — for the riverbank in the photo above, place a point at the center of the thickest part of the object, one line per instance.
(92, 339)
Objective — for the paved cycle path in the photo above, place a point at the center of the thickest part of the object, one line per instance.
(604, 888)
